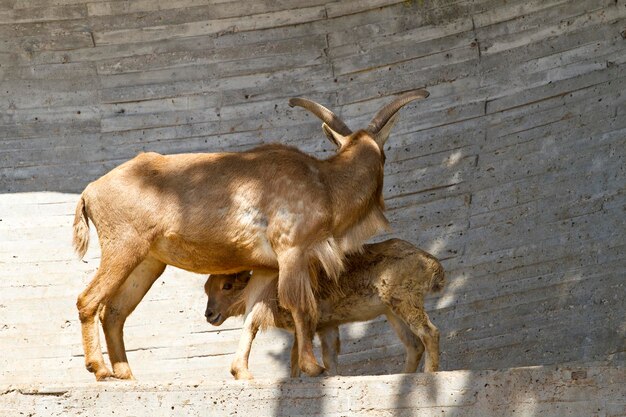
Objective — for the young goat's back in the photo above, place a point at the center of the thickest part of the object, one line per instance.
(394, 263)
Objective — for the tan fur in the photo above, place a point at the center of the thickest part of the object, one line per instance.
(390, 277)
(81, 229)
(272, 207)
(329, 256)
(374, 222)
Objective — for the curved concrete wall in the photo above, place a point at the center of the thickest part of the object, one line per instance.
(512, 172)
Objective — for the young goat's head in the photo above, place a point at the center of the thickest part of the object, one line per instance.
(376, 132)
(223, 292)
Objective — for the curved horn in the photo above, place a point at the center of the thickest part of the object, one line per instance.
(387, 112)
(323, 113)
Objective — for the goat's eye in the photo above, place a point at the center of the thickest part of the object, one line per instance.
(227, 286)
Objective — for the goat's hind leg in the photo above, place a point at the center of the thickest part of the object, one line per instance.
(295, 363)
(115, 266)
(120, 306)
(331, 345)
(413, 314)
(413, 345)
(430, 337)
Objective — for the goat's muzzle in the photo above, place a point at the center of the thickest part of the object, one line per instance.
(214, 318)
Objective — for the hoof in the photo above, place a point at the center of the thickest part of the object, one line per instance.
(243, 375)
(312, 368)
(125, 377)
(295, 373)
(100, 370)
(104, 375)
(123, 372)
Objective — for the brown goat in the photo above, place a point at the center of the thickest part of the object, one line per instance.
(270, 207)
(391, 278)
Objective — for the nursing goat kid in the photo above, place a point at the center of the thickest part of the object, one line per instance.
(271, 207)
(390, 278)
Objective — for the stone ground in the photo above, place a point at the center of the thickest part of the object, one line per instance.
(524, 392)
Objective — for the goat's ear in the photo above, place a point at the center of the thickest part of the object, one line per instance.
(383, 133)
(243, 277)
(338, 139)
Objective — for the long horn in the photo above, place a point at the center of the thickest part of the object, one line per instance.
(387, 112)
(323, 113)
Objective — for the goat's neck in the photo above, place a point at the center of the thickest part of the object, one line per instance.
(355, 180)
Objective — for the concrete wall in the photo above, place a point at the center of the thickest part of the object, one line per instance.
(512, 172)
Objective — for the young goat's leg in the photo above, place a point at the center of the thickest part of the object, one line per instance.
(413, 314)
(295, 293)
(329, 337)
(120, 306)
(430, 337)
(295, 366)
(239, 367)
(115, 266)
(257, 313)
(413, 345)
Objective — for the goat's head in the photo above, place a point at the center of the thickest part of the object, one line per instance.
(223, 292)
(376, 132)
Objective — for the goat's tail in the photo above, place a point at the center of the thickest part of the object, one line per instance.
(438, 279)
(81, 229)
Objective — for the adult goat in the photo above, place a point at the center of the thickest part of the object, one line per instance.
(270, 207)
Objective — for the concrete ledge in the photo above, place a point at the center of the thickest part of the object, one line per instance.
(525, 392)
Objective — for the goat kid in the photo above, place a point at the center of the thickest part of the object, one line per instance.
(390, 278)
(270, 207)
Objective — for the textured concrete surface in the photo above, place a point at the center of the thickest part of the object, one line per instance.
(524, 392)
(512, 172)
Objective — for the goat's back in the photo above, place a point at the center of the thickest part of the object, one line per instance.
(211, 212)
(392, 262)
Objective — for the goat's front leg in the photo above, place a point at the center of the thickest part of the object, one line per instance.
(239, 367)
(295, 294)
(257, 313)
(305, 329)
